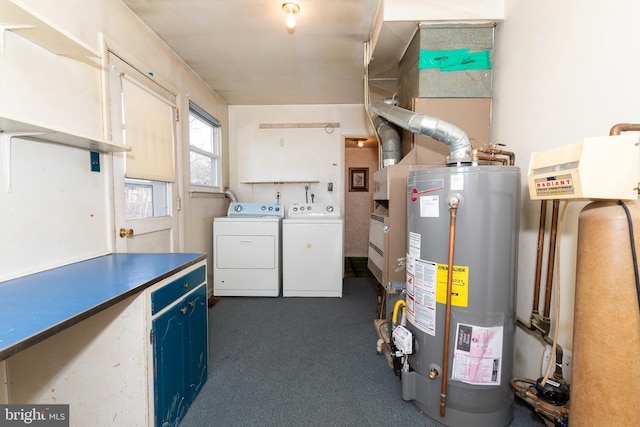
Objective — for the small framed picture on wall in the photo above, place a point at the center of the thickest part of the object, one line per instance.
(358, 179)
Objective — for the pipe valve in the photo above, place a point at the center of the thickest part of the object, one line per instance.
(454, 201)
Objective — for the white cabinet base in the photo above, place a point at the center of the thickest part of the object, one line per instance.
(97, 367)
(103, 366)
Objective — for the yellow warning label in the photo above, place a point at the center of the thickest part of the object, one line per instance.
(459, 285)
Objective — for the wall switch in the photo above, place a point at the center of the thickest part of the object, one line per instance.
(95, 161)
(330, 186)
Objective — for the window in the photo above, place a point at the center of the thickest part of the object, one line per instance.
(146, 199)
(148, 127)
(205, 136)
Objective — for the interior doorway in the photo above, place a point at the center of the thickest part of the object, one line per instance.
(361, 161)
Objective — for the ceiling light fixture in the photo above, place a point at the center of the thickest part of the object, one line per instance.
(291, 9)
(359, 141)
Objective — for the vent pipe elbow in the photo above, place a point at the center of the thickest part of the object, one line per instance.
(390, 141)
(454, 137)
(229, 194)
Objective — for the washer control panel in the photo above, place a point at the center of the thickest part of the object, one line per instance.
(255, 209)
(306, 210)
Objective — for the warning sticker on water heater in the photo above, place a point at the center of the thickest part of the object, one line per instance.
(421, 296)
(427, 285)
(477, 358)
(430, 206)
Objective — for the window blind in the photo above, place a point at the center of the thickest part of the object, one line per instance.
(149, 131)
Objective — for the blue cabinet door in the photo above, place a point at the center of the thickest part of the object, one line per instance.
(169, 368)
(180, 356)
(196, 362)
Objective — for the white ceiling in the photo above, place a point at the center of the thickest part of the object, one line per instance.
(243, 50)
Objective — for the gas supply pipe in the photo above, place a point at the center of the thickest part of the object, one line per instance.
(396, 307)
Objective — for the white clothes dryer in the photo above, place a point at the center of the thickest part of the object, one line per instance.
(247, 256)
(312, 255)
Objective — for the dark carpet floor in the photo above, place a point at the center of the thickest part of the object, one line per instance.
(356, 267)
(304, 362)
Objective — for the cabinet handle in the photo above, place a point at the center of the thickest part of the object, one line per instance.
(184, 310)
(186, 285)
(192, 303)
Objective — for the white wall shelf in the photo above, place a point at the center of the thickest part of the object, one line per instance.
(17, 128)
(294, 181)
(11, 128)
(19, 19)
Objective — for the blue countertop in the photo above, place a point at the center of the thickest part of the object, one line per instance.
(37, 306)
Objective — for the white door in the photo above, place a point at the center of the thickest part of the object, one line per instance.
(146, 199)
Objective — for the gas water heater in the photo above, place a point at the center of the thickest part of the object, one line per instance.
(462, 223)
(464, 219)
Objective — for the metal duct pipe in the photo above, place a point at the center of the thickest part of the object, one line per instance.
(390, 140)
(453, 136)
(230, 195)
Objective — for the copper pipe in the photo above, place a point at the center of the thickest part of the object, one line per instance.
(552, 257)
(536, 290)
(491, 159)
(558, 374)
(492, 151)
(525, 389)
(453, 208)
(623, 127)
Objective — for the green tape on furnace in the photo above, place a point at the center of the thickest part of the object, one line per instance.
(455, 60)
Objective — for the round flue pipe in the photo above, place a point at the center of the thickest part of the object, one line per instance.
(454, 137)
(390, 141)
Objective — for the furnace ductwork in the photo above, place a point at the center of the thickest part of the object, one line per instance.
(455, 138)
(390, 140)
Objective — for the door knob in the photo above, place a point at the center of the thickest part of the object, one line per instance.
(126, 232)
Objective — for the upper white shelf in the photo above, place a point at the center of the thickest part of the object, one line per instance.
(19, 19)
(283, 181)
(13, 127)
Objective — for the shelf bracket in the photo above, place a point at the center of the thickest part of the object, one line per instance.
(5, 153)
(5, 28)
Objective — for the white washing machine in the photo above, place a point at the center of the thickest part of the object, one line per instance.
(312, 262)
(247, 256)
